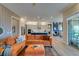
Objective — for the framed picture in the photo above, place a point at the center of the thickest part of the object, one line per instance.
(49, 26)
(13, 29)
(1, 30)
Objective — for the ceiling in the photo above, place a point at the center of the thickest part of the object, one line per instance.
(37, 9)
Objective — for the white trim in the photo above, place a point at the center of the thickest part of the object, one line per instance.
(11, 25)
(67, 33)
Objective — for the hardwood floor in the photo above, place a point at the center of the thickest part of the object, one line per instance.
(65, 50)
(50, 51)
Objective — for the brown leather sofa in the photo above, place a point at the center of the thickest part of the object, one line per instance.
(38, 39)
(16, 48)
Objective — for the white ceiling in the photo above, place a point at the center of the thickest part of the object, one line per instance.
(39, 9)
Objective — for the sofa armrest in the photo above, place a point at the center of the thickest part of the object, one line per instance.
(2, 42)
(50, 39)
(17, 48)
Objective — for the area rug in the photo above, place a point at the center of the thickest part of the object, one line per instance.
(48, 51)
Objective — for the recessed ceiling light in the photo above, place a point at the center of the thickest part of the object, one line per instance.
(22, 19)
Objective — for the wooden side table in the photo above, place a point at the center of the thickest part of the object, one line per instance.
(1, 51)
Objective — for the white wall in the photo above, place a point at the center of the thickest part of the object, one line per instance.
(15, 22)
(5, 21)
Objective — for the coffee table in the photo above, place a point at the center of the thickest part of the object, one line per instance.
(1, 51)
(35, 50)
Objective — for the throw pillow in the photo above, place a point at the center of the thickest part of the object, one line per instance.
(20, 39)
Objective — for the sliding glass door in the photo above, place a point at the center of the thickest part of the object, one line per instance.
(73, 31)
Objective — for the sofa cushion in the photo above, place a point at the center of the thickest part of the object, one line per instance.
(38, 37)
(44, 42)
(10, 40)
(46, 37)
(30, 37)
(2, 46)
(20, 39)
